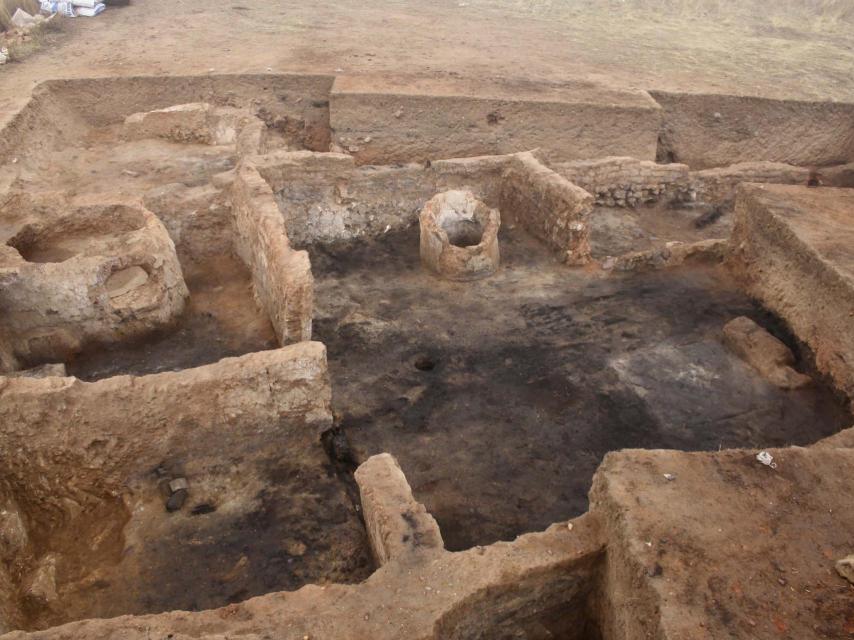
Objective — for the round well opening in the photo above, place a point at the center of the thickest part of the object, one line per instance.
(462, 232)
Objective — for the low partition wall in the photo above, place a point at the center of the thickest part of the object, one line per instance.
(281, 276)
(84, 466)
(792, 248)
(65, 439)
(549, 206)
(538, 586)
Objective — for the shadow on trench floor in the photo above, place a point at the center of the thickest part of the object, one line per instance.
(500, 397)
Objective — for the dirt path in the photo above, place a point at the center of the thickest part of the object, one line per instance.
(612, 42)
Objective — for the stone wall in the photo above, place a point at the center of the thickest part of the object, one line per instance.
(624, 181)
(281, 276)
(629, 182)
(549, 206)
(718, 186)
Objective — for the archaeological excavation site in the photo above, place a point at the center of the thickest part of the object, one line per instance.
(350, 357)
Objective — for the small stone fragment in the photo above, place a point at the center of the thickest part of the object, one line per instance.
(177, 484)
(845, 568)
(42, 582)
(769, 356)
(176, 500)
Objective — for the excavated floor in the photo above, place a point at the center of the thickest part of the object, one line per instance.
(616, 231)
(500, 397)
(275, 524)
(103, 163)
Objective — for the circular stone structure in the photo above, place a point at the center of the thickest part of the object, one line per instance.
(101, 272)
(459, 236)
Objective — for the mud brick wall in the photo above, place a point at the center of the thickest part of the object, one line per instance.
(549, 206)
(68, 439)
(627, 182)
(281, 276)
(397, 524)
(198, 219)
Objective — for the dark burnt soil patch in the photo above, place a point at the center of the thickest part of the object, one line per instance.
(272, 525)
(221, 320)
(500, 397)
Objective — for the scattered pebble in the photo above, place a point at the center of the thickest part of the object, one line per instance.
(177, 484)
(767, 459)
(845, 568)
(176, 500)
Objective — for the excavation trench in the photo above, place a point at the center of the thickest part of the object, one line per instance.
(194, 444)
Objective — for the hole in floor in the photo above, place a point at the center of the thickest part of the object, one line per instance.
(424, 363)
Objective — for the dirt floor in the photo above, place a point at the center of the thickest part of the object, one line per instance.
(618, 230)
(789, 49)
(500, 397)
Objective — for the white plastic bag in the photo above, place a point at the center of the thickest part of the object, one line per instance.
(63, 7)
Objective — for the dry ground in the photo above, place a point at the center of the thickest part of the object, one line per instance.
(789, 49)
